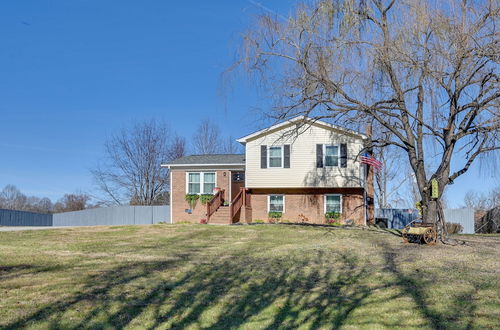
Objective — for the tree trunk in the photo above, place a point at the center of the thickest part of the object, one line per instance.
(432, 212)
(429, 210)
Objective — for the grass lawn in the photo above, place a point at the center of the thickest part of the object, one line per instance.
(249, 277)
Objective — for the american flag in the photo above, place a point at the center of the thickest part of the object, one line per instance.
(372, 161)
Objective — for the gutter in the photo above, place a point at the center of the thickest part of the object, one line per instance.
(188, 165)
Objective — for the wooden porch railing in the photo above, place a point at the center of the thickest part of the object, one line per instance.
(248, 200)
(215, 203)
(237, 203)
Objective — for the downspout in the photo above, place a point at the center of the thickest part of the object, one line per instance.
(365, 201)
(170, 196)
(369, 133)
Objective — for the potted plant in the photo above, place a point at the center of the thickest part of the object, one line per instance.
(205, 198)
(332, 218)
(191, 199)
(273, 216)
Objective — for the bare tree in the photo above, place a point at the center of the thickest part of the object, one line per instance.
(425, 71)
(482, 201)
(207, 139)
(43, 205)
(72, 202)
(13, 199)
(132, 172)
(230, 146)
(389, 180)
(177, 148)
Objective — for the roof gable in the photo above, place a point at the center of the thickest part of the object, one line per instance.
(300, 119)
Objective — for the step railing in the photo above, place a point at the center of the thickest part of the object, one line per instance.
(248, 200)
(236, 203)
(215, 203)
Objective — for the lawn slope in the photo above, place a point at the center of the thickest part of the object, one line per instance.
(248, 277)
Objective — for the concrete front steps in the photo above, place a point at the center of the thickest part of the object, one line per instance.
(221, 216)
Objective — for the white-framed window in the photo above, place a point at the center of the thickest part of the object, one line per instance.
(275, 203)
(331, 155)
(200, 182)
(275, 156)
(208, 183)
(193, 183)
(333, 203)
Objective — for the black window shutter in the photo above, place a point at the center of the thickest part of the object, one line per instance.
(286, 152)
(343, 155)
(319, 155)
(263, 156)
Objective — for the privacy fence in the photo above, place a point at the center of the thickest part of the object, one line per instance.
(22, 218)
(399, 218)
(119, 215)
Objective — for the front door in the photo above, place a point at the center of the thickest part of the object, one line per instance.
(237, 182)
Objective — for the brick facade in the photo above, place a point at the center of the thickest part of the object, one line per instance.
(308, 204)
(300, 204)
(179, 204)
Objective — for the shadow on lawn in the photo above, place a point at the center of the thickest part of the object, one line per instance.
(229, 291)
(294, 290)
(461, 305)
(8, 272)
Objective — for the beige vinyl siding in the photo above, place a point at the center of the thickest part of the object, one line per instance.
(303, 171)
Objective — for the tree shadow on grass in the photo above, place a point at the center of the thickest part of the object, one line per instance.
(461, 305)
(13, 271)
(217, 293)
(316, 288)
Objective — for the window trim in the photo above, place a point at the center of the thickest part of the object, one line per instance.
(282, 156)
(324, 202)
(202, 181)
(324, 154)
(269, 202)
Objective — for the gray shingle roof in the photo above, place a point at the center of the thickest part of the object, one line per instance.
(209, 160)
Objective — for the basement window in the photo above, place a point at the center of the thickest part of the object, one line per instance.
(333, 203)
(275, 203)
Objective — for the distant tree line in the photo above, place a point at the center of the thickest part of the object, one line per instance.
(11, 198)
(482, 201)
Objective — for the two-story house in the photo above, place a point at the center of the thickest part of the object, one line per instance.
(301, 168)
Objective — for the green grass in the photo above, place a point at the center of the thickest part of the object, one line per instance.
(249, 277)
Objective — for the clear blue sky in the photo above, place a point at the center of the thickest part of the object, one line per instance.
(73, 72)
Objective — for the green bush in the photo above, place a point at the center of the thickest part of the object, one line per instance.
(191, 199)
(205, 198)
(258, 221)
(275, 215)
(332, 215)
